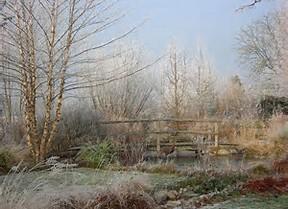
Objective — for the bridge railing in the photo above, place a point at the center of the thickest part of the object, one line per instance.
(208, 128)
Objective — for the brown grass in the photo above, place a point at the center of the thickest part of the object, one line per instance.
(258, 138)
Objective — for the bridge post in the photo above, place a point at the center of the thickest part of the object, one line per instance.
(158, 148)
(216, 134)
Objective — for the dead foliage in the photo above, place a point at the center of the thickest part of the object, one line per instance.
(281, 167)
(109, 200)
(267, 185)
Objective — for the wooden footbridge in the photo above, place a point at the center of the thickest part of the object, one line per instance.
(184, 134)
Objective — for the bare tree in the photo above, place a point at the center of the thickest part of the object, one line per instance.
(189, 85)
(7, 90)
(262, 49)
(50, 41)
(175, 84)
(203, 83)
(128, 97)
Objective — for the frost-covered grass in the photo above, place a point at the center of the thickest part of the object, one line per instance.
(63, 186)
(57, 187)
(254, 202)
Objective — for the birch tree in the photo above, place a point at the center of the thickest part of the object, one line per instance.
(50, 41)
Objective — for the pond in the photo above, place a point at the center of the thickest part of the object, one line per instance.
(217, 163)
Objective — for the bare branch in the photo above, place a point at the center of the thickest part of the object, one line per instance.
(252, 4)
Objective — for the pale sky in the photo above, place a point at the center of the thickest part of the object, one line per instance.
(213, 24)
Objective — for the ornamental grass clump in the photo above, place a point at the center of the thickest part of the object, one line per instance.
(97, 156)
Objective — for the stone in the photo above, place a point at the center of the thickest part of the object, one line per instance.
(183, 190)
(162, 207)
(234, 151)
(189, 195)
(223, 152)
(173, 204)
(161, 197)
(172, 195)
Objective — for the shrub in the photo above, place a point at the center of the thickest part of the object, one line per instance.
(217, 183)
(77, 127)
(131, 150)
(260, 170)
(203, 183)
(97, 156)
(13, 133)
(267, 185)
(124, 196)
(7, 160)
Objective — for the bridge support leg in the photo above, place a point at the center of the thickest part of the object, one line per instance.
(158, 138)
(216, 135)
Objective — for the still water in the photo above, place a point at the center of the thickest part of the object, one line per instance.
(217, 163)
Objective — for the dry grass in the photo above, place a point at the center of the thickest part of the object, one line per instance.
(11, 155)
(131, 149)
(276, 141)
(124, 196)
(259, 138)
(278, 127)
(243, 130)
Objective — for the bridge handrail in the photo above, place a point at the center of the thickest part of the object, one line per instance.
(160, 120)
